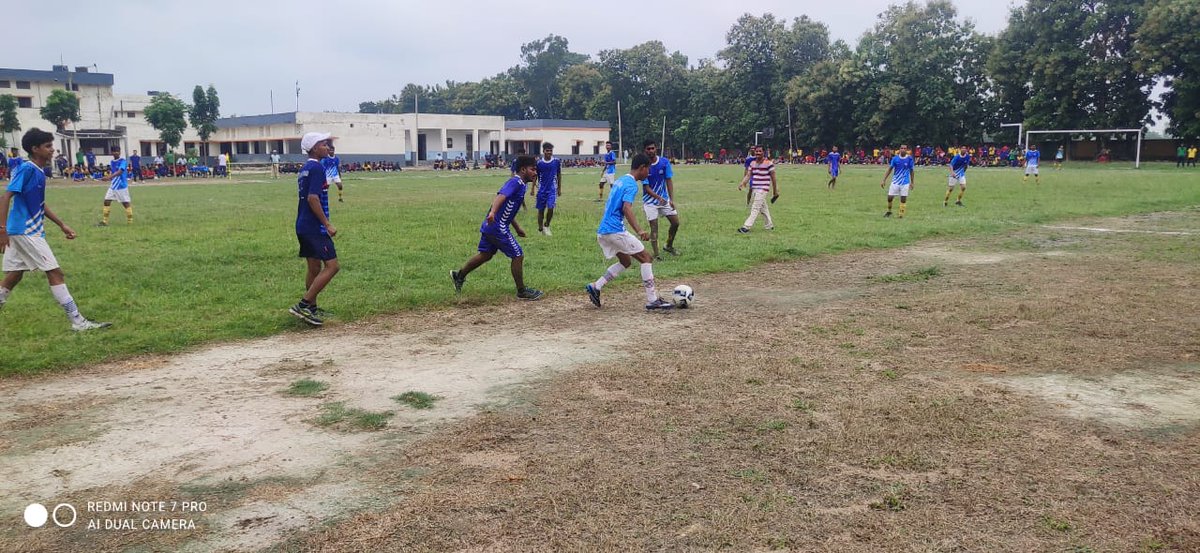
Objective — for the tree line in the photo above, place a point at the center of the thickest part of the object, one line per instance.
(921, 74)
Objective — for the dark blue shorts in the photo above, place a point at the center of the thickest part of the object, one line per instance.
(547, 198)
(316, 246)
(505, 243)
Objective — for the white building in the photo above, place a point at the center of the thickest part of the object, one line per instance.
(569, 137)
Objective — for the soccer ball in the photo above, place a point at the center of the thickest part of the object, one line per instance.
(683, 296)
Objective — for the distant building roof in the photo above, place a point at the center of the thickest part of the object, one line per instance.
(556, 123)
(62, 76)
(256, 120)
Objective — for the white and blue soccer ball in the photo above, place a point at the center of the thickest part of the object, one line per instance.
(683, 296)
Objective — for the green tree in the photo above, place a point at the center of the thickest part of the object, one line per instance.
(61, 107)
(649, 83)
(9, 123)
(205, 110)
(545, 61)
(1169, 46)
(168, 115)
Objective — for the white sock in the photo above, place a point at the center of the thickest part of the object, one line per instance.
(648, 282)
(67, 302)
(4, 292)
(612, 272)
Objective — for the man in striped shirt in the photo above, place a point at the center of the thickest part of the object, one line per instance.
(760, 175)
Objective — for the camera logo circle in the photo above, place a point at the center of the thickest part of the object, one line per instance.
(36, 515)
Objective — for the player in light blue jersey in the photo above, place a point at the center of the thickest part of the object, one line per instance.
(1032, 157)
(835, 166)
(617, 242)
(958, 176)
(333, 170)
(118, 189)
(548, 187)
(23, 236)
(609, 173)
(495, 233)
(658, 197)
(901, 171)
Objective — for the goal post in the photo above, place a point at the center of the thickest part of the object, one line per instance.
(1137, 162)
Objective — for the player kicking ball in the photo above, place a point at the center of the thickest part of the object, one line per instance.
(616, 241)
(494, 232)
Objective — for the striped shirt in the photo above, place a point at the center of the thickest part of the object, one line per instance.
(760, 174)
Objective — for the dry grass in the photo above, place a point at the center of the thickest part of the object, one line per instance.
(861, 423)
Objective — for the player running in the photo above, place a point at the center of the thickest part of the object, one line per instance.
(958, 176)
(835, 160)
(901, 171)
(548, 187)
(609, 174)
(1032, 156)
(617, 242)
(118, 189)
(657, 191)
(333, 170)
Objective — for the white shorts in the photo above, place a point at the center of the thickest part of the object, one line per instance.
(619, 242)
(898, 190)
(28, 253)
(1031, 170)
(654, 211)
(608, 178)
(121, 195)
(957, 181)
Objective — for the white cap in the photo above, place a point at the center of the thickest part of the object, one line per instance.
(311, 139)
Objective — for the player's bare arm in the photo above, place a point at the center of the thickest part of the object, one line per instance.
(68, 231)
(671, 192)
(6, 199)
(496, 203)
(627, 210)
(885, 177)
(517, 227)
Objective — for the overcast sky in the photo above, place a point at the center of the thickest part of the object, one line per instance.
(348, 51)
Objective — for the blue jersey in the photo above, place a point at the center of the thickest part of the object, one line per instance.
(136, 161)
(13, 163)
(120, 180)
(514, 194)
(512, 166)
(548, 172)
(660, 171)
(835, 160)
(332, 165)
(91, 158)
(610, 163)
(1032, 157)
(311, 181)
(959, 164)
(624, 191)
(902, 169)
(28, 213)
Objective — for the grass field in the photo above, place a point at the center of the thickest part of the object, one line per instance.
(216, 260)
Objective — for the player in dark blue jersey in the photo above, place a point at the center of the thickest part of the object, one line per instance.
(835, 166)
(548, 187)
(609, 173)
(313, 229)
(495, 234)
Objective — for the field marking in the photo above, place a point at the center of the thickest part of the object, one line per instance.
(1127, 231)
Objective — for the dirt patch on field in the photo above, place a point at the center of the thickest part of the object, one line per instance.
(1012, 400)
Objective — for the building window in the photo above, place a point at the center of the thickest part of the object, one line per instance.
(130, 114)
(23, 85)
(449, 143)
(385, 125)
(352, 125)
(243, 147)
(24, 102)
(5, 84)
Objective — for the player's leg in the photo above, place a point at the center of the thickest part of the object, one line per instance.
(106, 210)
(888, 213)
(600, 196)
(128, 205)
(328, 269)
(541, 217)
(313, 269)
(647, 268)
(962, 190)
(58, 288)
(549, 217)
(949, 190)
(756, 206)
(11, 279)
(671, 231)
(903, 203)
(654, 234)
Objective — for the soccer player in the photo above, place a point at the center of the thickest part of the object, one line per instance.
(1191, 156)
(118, 189)
(657, 192)
(313, 229)
(617, 242)
(274, 164)
(1032, 156)
(835, 160)
(1058, 158)
(609, 174)
(958, 176)
(901, 171)
(495, 234)
(91, 160)
(548, 187)
(760, 174)
(333, 170)
(23, 240)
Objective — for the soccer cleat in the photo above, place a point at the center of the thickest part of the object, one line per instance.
(102, 224)
(458, 282)
(887, 214)
(321, 313)
(547, 232)
(743, 230)
(593, 294)
(946, 203)
(530, 294)
(959, 204)
(671, 250)
(306, 314)
(85, 325)
(659, 304)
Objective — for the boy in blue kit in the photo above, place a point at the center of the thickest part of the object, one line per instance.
(608, 175)
(118, 189)
(23, 239)
(333, 170)
(494, 232)
(901, 171)
(313, 229)
(835, 160)
(958, 176)
(548, 187)
(617, 242)
(1032, 158)
(658, 192)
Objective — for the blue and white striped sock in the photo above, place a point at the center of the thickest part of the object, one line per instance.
(67, 302)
